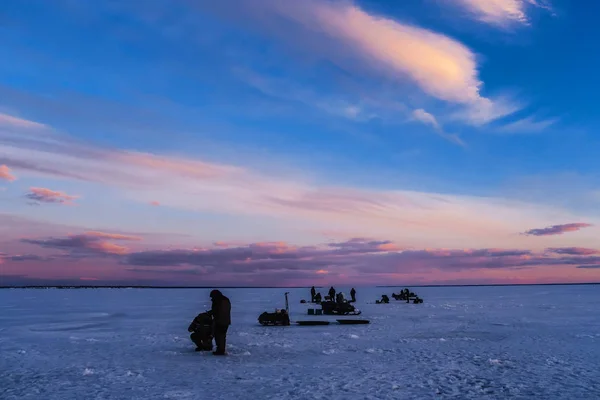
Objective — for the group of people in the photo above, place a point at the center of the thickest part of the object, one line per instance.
(212, 324)
(333, 296)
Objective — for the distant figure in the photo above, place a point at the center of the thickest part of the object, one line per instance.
(353, 295)
(313, 293)
(221, 311)
(201, 328)
(339, 298)
(318, 298)
(384, 299)
(332, 293)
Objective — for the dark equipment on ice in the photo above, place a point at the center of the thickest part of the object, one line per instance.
(202, 332)
(404, 294)
(278, 318)
(417, 300)
(384, 299)
(352, 321)
(312, 323)
(334, 308)
(339, 321)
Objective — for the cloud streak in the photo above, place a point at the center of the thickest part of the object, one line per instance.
(16, 122)
(575, 251)
(357, 40)
(6, 175)
(189, 184)
(557, 229)
(502, 13)
(361, 259)
(430, 120)
(358, 255)
(43, 195)
(89, 244)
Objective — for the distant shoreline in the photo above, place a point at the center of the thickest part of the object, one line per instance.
(275, 287)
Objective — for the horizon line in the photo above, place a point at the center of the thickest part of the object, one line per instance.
(276, 287)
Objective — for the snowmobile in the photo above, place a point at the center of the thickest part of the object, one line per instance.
(403, 295)
(344, 308)
(278, 318)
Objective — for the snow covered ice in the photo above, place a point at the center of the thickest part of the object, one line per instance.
(462, 343)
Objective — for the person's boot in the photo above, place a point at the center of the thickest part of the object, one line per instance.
(218, 353)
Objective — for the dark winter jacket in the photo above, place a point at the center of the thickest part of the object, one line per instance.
(202, 323)
(221, 309)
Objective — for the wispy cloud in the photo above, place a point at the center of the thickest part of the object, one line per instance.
(43, 195)
(16, 122)
(282, 89)
(5, 174)
(23, 257)
(355, 256)
(89, 244)
(197, 185)
(557, 229)
(361, 259)
(502, 12)
(581, 251)
(430, 120)
(155, 203)
(527, 125)
(113, 236)
(359, 41)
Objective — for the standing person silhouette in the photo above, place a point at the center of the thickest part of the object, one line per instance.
(313, 293)
(353, 295)
(332, 294)
(221, 311)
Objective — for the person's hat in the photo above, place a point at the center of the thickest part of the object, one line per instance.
(215, 293)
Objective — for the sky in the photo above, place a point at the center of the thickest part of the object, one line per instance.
(314, 142)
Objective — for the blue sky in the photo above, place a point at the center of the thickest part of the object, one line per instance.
(464, 103)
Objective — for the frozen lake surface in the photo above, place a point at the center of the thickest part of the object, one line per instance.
(463, 343)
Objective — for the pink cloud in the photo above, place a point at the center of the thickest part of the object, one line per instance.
(359, 260)
(574, 251)
(115, 236)
(501, 12)
(9, 120)
(557, 229)
(155, 203)
(5, 174)
(364, 42)
(43, 195)
(89, 244)
(408, 217)
(176, 166)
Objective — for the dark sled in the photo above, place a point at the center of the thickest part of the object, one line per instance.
(333, 308)
(312, 323)
(278, 318)
(352, 321)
